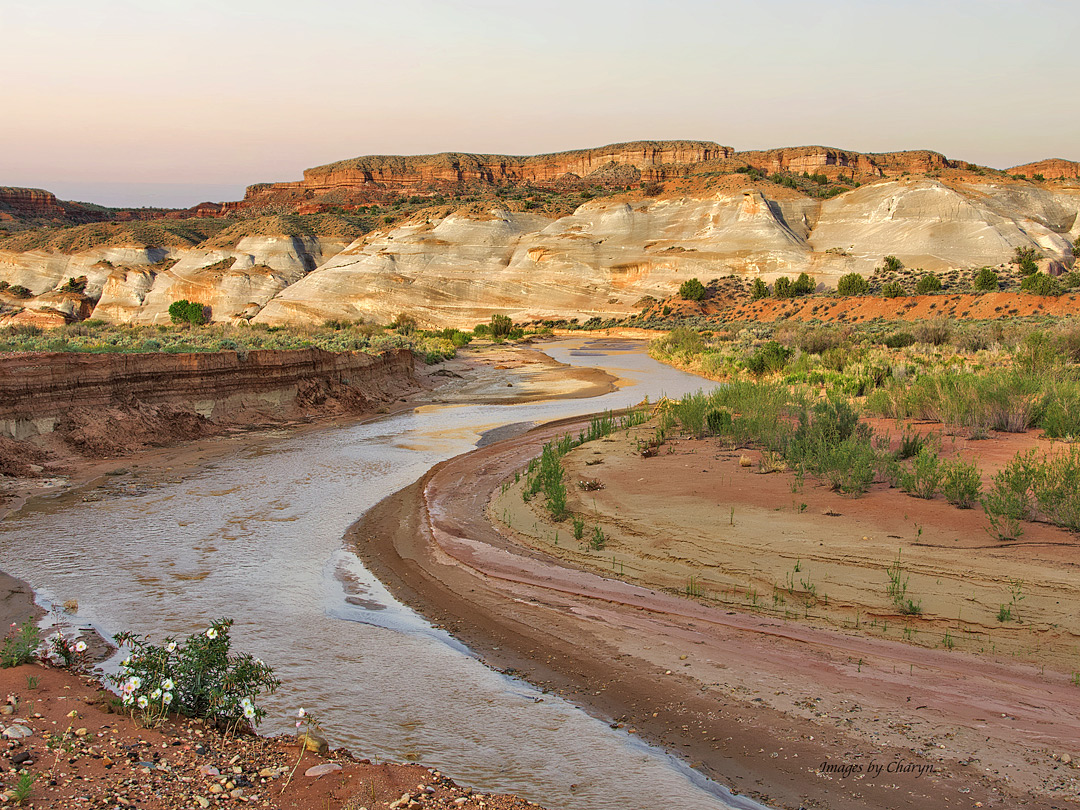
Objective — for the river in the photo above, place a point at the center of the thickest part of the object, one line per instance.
(256, 535)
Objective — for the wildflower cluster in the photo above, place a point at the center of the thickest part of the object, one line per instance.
(197, 678)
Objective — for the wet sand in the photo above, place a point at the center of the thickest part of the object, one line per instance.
(776, 709)
(510, 374)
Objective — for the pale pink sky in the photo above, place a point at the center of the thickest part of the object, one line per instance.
(129, 102)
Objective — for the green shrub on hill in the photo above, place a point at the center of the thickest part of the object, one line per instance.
(986, 280)
(184, 311)
(1041, 284)
(853, 284)
(692, 290)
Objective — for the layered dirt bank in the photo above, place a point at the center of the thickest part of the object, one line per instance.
(187, 395)
(800, 716)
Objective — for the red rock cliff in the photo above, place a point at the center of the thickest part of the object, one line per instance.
(1050, 169)
(832, 162)
(29, 202)
(624, 163)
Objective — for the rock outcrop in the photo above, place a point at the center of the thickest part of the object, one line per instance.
(1052, 169)
(836, 162)
(364, 178)
(29, 202)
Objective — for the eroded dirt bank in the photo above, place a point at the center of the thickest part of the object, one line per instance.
(796, 715)
(45, 391)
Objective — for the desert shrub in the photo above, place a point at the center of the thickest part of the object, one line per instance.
(898, 340)
(1055, 485)
(893, 289)
(501, 326)
(681, 340)
(690, 411)
(758, 290)
(1026, 259)
(404, 323)
(1059, 416)
(74, 285)
(1041, 284)
(19, 291)
(199, 677)
(758, 411)
(961, 482)
(20, 644)
(923, 477)
(782, 288)
(184, 311)
(1037, 354)
(803, 285)
(910, 445)
(719, 421)
(929, 283)
(1008, 501)
(935, 332)
(853, 284)
(770, 357)
(830, 441)
(986, 280)
(818, 340)
(1071, 280)
(891, 264)
(692, 290)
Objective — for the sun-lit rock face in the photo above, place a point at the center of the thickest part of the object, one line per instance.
(234, 283)
(607, 255)
(930, 225)
(1050, 169)
(667, 211)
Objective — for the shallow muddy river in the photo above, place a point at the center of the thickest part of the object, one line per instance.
(257, 536)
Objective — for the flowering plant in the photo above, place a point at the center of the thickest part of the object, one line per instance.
(197, 678)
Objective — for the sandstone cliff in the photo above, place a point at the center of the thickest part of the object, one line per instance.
(1050, 169)
(29, 202)
(454, 238)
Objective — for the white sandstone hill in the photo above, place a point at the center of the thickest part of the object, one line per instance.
(456, 268)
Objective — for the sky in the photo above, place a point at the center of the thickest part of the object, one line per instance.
(158, 102)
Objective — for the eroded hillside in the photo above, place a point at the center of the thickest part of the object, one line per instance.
(453, 238)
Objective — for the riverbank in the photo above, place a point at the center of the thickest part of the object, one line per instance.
(118, 434)
(794, 715)
(81, 754)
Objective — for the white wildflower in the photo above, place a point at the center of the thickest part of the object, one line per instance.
(143, 701)
(211, 633)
